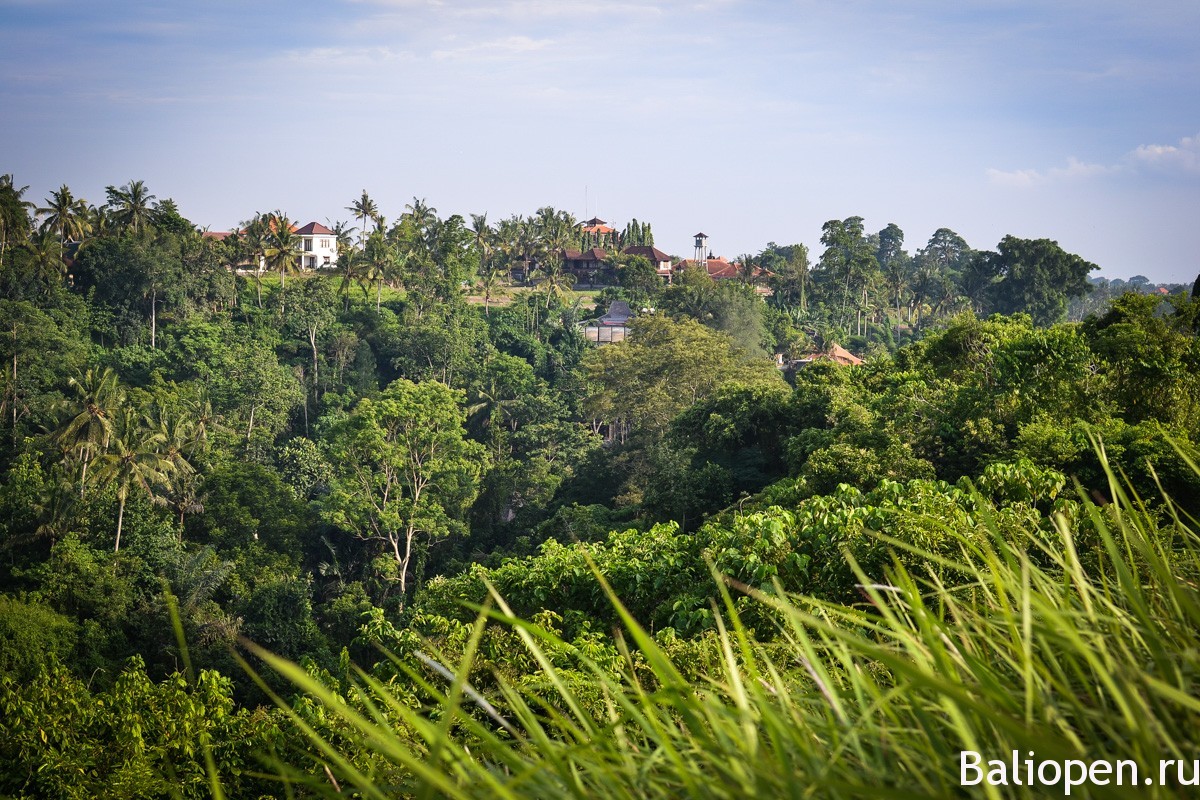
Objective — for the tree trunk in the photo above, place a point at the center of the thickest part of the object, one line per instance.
(312, 339)
(153, 317)
(13, 390)
(305, 409)
(120, 522)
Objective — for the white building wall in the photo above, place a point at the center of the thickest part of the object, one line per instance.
(318, 251)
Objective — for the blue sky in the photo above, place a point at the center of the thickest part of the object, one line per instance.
(752, 121)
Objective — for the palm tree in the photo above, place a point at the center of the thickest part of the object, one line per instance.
(66, 215)
(493, 410)
(488, 282)
(100, 221)
(186, 496)
(202, 418)
(556, 281)
(483, 240)
(283, 249)
(363, 208)
(88, 433)
(253, 240)
(48, 266)
(14, 211)
(526, 244)
(341, 237)
(380, 262)
(135, 458)
(352, 268)
(177, 434)
(421, 214)
(130, 205)
(556, 231)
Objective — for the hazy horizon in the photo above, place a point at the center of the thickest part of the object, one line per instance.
(751, 121)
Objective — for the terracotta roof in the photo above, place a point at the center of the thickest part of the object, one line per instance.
(841, 355)
(314, 229)
(646, 251)
(835, 353)
(271, 225)
(595, 254)
(717, 268)
(218, 235)
(720, 269)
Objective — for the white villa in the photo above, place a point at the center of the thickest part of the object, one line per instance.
(318, 246)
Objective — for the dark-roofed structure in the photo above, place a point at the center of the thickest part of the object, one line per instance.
(314, 229)
(660, 260)
(611, 327)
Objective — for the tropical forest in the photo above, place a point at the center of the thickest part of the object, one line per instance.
(402, 524)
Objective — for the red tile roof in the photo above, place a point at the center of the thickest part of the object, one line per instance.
(720, 269)
(646, 251)
(717, 268)
(314, 229)
(835, 353)
(842, 356)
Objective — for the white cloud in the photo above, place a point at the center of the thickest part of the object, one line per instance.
(347, 56)
(1074, 170)
(1020, 178)
(496, 48)
(1182, 157)
(1079, 169)
(522, 9)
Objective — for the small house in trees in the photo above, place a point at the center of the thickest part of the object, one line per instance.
(721, 269)
(717, 268)
(611, 327)
(660, 260)
(584, 262)
(834, 353)
(318, 246)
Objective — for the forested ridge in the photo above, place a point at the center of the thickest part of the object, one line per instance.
(211, 459)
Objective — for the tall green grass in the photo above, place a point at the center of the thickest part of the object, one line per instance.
(1082, 645)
